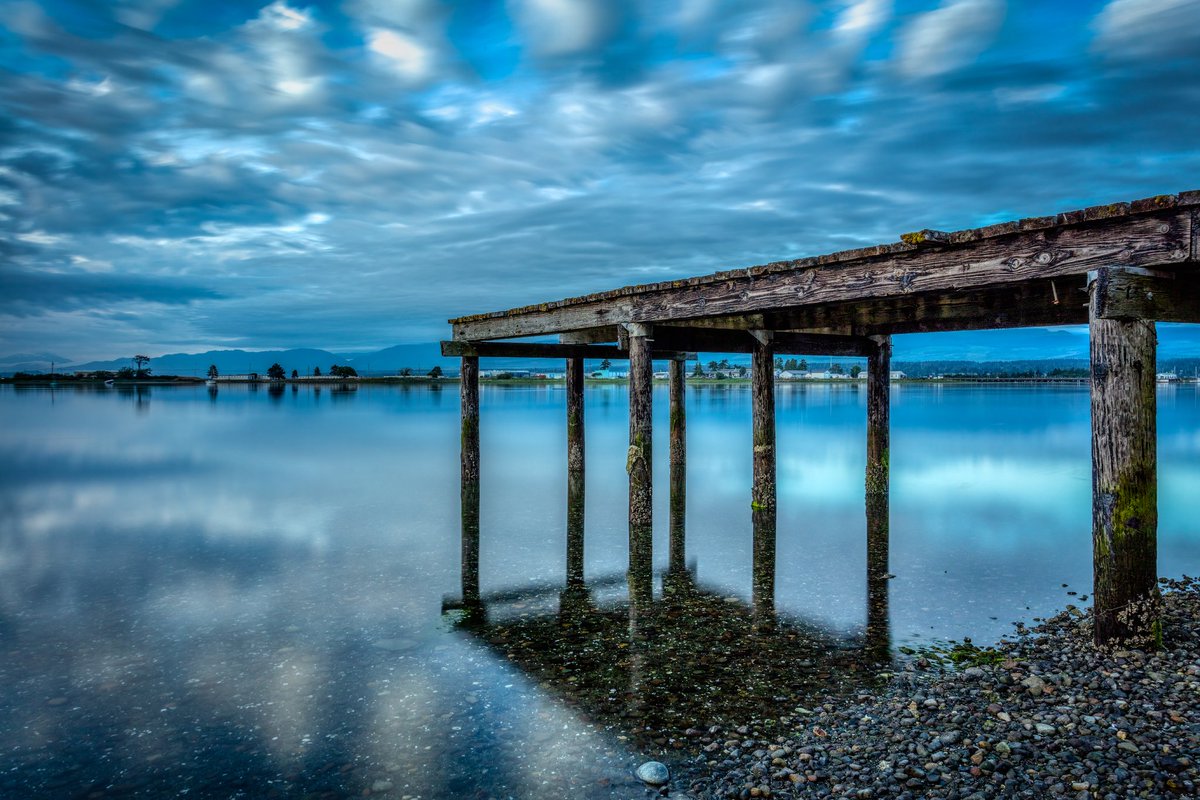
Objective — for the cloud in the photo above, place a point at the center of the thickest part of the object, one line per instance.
(332, 169)
(1149, 29)
(567, 27)
(401, 53)
(949, 37)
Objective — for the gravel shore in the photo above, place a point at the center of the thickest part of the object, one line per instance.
(1043, 715)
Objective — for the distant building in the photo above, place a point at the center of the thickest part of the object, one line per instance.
(897, 375)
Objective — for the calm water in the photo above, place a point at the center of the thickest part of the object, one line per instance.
(249, 594)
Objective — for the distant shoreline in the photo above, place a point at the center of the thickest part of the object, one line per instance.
(64, 381)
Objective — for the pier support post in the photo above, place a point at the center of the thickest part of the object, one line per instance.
(1124, 472)
(678, 545)
(469, 495)
(879, 372)
(575, 415)
(763, 491)
(879, 366)
(640, 465)
(762, 388)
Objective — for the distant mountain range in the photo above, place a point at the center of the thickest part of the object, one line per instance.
(1063, 346)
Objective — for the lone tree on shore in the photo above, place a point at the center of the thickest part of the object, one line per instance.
(275, 372)
(212, 372)
(436, 372)
(316, 372)
(295, 374)
(605, 364)
(141, 362)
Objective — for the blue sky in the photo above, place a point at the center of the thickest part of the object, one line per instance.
(179, 175)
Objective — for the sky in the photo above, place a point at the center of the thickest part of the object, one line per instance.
(185, 176)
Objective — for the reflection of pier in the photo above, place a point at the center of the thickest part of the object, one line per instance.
(690, 657)
(1137, 262)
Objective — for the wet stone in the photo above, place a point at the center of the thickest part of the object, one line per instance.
(655, 773)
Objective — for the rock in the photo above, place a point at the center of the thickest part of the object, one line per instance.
(381, 786)
(1044, 729)
(1034, 685)
(654, 773)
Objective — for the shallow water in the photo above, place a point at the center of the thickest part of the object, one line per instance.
(254, 593)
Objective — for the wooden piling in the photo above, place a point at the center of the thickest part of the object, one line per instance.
(575, 415)
(575, 508)
(639, 461)
(879, 367)
(469, 494)
(678, 504)
(1124, 476)
(678, 412)
(762, 388)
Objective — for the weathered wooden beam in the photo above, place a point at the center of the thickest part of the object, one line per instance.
(575, 441)
(590, 336)
(713, 340)
(1124, 479)
(639, 459)
(1045, 302)
(1145, 294)
(1009, 256)
(469, 469)
(548, 350)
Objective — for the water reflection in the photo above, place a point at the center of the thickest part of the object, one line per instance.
(237, 596)
(692, 657)
(879, 622)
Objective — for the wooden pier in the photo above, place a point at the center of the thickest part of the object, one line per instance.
(1118, 268)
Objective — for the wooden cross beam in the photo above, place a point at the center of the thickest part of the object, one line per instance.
(551, 350)
(715, 340)
(1130, 293)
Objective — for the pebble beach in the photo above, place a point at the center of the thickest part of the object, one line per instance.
(1043, 714)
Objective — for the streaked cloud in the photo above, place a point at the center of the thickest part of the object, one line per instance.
(949, 37)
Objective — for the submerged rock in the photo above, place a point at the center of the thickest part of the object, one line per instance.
(654, 773)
